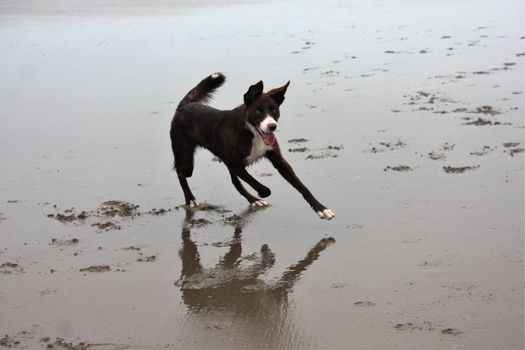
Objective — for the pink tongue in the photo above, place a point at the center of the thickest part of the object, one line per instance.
(268, 138)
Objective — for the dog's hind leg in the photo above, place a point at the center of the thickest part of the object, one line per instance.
(184, 152)
(188, 196)
(254, 201)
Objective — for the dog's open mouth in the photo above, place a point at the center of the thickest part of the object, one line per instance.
(268, 137)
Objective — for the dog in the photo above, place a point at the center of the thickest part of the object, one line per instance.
(238, 137)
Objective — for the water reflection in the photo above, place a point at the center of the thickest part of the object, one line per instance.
(235, 286)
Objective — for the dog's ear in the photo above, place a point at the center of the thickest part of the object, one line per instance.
(254, 92)
(277, 94)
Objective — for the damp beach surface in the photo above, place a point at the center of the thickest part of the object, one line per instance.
(405, 118)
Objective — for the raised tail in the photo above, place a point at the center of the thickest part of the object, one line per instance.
(204, 90)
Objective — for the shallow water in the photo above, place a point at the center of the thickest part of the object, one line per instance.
(417, 258)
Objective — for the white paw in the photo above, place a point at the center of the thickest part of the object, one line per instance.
(259, 203)
(193, 203)
(215, 75)
(327, 214)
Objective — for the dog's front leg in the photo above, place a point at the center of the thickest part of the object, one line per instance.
(287, 172)
(254, 201)
(241, 172)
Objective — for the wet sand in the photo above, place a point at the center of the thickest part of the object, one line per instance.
(406, 119)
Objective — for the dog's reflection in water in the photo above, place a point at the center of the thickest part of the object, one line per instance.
(234, 284)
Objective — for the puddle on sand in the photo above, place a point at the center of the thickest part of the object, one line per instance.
(236, 289)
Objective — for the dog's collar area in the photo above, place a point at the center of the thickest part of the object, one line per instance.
(250, 127)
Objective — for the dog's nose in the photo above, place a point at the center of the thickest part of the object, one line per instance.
(272, 126)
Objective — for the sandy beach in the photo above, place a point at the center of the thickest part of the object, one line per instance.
(405, 118)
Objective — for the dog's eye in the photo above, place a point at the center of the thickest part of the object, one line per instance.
(274, 111)
(258, 112)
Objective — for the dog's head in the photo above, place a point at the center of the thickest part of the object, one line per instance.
(262, 109)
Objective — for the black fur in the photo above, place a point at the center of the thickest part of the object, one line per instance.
(203, 92)
(228, 135)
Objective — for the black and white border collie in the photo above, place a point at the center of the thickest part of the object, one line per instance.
(239, 137)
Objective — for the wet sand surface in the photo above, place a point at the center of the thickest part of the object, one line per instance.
(405, 118)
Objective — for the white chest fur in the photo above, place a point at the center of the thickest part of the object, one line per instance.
(259, 148)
